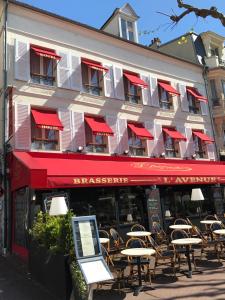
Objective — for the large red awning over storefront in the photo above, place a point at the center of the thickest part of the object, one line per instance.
(51, 170)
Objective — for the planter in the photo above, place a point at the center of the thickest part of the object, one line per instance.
(51, 270)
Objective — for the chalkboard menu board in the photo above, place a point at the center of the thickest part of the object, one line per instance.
(153, 206)
(86, 239)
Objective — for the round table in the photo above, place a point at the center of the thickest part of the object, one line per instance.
(138, 252)
(181, 226)
(138, 233)
(105, 241)
(219, 231)
(209, 222)
(187, 242)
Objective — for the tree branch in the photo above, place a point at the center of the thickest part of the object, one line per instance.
(199, 12)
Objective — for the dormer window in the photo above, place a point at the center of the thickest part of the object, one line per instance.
(127, 30)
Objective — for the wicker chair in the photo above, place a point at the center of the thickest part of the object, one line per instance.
(180, 221)
(138, 227)
(118, 243)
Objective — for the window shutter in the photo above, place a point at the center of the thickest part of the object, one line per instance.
(63, 70)
(75, 76)
(149, 125)
(108, 82)
(113, 140)
(182, 144)
(190, 142)
(210, 147)
(118, 82)
(183, 97)
(204, 105)
(22, 127)
(154, 91)
(66, 133)
(78, 130)
(22, 60)
(159, 143)
(123, 135)
(146, 97)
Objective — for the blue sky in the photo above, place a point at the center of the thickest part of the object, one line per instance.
(95, 13)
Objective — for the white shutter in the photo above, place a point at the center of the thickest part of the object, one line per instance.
(22, 127)
(109, 82)
(154, 91)
(78, 130)
(146, 97)
(211, 147)
(204, 105)
(149, 125)
(159, 142)
(123, 136)
(75, 73)
(118, 82)
(183, 98)
(190, 142)
(113, 140)
(22, 60)
(63, 70)
(182, 144)
(66, 133)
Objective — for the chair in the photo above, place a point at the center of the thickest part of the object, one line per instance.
(145, 261)
(180, 221)
(118, 243)
(155, 218)
(138, 227)
(160, 235)
(162, 253)
(104, 234)
(210, 217)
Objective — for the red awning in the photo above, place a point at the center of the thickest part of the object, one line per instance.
(40, 170)
(174, 134)
(135, 80)
(46, 53)
(46, 119)
(94, 65)
(98, 126)
(205, 138)
(194, 92)
(167, 87)
(140, 131)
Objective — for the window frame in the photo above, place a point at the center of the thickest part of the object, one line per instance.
(133, 98)
(174, 151)
(126, 21)
(97, 90)
(133, 149)
(201, 152)
(194, 105)
(168, 103)
(92, 145)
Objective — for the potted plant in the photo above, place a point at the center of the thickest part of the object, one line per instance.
(52, 257)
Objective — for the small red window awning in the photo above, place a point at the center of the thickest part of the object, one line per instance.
(46, 119)
(94, 65)
(194, 92)
(140, 131)
(204, 137)
(174, 134)
(46, 53)
(167, 87)
(135, 80)
(98, 126)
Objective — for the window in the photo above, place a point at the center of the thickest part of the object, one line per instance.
(193, 104)
(127, 30)
(215, 99)
(42, 68)
(132, 92)
(137, 146)
(171, 145)
(165, 98)
(223, 86)
(95, 143)
(199, 147)
(92, 77)
(215, 51)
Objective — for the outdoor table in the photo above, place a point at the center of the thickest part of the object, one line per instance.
(181, 226)
(138, 234)
(138, 252)
(187, 242)
(209, 222)
(104, 241)
(219, 231)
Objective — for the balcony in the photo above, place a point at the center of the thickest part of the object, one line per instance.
(214, 62)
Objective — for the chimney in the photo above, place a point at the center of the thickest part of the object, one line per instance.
(155, 43)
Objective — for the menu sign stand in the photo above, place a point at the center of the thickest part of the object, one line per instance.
(88, 252)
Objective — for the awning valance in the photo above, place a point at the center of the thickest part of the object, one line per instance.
(167, 87)
(174, 134)
(205, 138)
(46, 119)
(140, 131)
(67, 170)
(98, 126)
(135, 80)
(194, 92)
(46, 53)
(94, 65)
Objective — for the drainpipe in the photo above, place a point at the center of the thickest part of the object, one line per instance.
(204, 74)
(4, 106)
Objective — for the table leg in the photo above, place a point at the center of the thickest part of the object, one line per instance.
(139, 287)
(189, 261)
